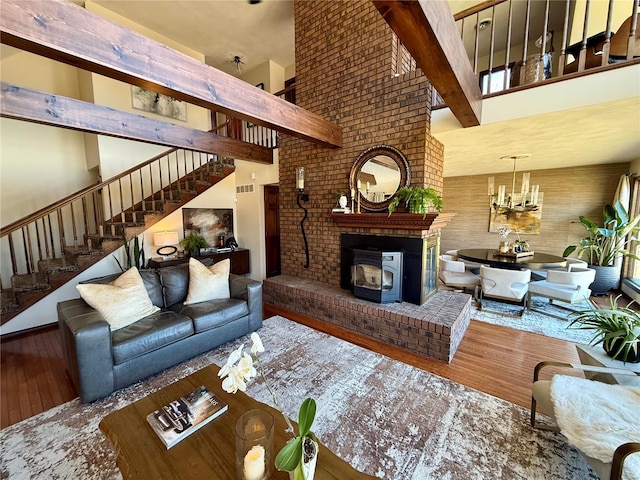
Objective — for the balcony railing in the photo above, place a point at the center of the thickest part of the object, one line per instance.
(513, 43)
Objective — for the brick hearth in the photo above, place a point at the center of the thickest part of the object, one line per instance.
(433, 329)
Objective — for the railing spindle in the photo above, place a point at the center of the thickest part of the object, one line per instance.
(525, 43)
(12, 253)
(565, 35)
(86, 222)
(46, 238)
(476, 45)
(507, 54)
(122, 219)
(632, 31)
(74, 230)
(38, 243)
(491, 42)
(582, 57)
(53, 246)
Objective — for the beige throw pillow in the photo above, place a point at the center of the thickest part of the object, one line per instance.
(208, 283)
(121, 302)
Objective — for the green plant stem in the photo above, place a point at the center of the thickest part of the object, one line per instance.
(274, 397)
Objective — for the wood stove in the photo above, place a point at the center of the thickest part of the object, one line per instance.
(419, 262)
(377, 275)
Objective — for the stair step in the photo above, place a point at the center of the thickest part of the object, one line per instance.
(30, 282)
(8, 302)
(57, 265)
(78, 250)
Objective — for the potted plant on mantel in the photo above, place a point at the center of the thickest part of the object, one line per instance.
(417, 199)
(605, 245)
(617, 328)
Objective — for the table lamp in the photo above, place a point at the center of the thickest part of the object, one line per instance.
(166, 241)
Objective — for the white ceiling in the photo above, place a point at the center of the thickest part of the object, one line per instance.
(221, 29)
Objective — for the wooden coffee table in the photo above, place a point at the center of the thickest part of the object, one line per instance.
(207, 453)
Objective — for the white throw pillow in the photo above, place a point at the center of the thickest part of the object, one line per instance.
(208, 283)
(121, 302)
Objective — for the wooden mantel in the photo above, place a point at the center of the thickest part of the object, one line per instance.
(398, 221)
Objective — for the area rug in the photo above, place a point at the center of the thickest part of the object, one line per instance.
(386, 418)
(497, 313)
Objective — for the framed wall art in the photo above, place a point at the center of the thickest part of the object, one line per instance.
(526, 221)
(210, 223)
(157, 103)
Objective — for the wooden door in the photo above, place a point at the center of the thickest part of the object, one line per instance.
(272, 229)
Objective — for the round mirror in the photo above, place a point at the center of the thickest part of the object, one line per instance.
(377, 174)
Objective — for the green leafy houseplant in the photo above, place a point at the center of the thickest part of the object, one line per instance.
(605, 244)
(134, 255)
(616, 327)
(193, 243)
(418, 199)
(299, 454)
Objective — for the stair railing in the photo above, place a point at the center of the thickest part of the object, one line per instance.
(512, 43)
(76, 223)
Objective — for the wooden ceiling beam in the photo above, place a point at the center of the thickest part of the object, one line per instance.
(55, 110)
(429, 32)
(68, 33)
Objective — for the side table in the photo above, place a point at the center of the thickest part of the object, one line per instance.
(239, 260)
(596, 356)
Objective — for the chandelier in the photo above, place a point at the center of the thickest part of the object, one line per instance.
(522, 201)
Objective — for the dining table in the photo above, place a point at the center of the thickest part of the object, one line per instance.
(493, 258)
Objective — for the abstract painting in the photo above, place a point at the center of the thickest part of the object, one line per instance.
(208, 222)
(518, 221)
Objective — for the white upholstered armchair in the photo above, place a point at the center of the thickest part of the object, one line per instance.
(600, 420)
(503, 284)
(565, 286)
(452, 273)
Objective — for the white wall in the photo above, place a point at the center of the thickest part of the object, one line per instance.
(33, 173)
(250, 208)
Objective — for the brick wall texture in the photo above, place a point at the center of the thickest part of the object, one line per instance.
(345, 63)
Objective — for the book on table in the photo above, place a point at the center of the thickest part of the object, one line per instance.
(180, 418)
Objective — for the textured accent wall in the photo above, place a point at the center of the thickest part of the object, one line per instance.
(568, 193)
(345, 60)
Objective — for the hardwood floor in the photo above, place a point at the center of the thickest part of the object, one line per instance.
(493, 359)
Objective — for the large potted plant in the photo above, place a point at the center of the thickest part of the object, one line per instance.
(417, 199)
(616, 328)
(604, 246)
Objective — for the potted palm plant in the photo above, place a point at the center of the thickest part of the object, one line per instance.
(417, 199)
(605, 245)
(616, 327)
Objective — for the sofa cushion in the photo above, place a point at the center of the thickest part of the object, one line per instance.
(208, 283)
(214, 313)
(175, 282)
(121, 302)
(148, 334)
(150, 279)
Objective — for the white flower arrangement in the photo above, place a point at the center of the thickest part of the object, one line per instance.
(504, 231)
(238, 371)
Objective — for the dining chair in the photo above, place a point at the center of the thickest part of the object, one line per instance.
(452, 273)
(575, 263)
(569, 287)
(503, 284)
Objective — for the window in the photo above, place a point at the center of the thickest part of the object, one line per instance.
(495, 82)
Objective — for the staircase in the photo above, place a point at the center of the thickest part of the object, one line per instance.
(55, 244)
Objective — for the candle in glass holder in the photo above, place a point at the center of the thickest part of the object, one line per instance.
(254, 463)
